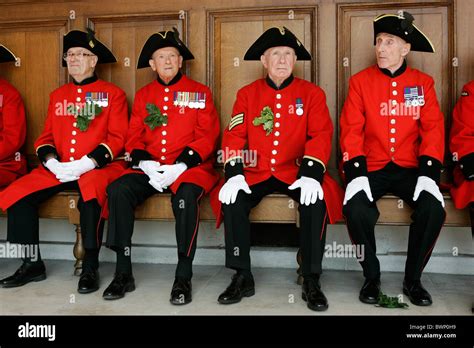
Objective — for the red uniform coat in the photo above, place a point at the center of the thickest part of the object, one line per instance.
(60, 131)
(302, 134)
(189, 136)
(12, 134)
(462, 145)
(379, 124)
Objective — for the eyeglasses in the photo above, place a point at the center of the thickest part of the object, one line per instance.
(80, 55)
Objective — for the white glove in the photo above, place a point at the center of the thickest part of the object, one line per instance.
(156, 185)
(311, 190)
(54, 166)
(149, 167)
(168, 174)
(63, 174)
(78, 167)
(429, 185)
(358, 184)
(228, 192)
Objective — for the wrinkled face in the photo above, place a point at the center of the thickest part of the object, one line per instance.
(166, 62)
(279, 62)
(390, 51)
(80, 61)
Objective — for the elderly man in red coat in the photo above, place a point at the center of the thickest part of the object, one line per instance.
(12, 127)
(171, 141)
(392, 140)
(462, 147)
(285, 124)
(84, 132)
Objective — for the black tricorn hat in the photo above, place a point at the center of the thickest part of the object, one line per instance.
(168, 38)
(6, 55)
(401, 25)
(78, 38)
(273, 37)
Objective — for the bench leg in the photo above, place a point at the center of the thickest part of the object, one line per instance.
(78, 251)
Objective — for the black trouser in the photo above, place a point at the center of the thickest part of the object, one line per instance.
(131, 190)
(23, 219)
(428, 218)
(237, 227)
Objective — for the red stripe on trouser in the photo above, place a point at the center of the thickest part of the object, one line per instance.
(97, 228)
(197, 224)
(324, 224)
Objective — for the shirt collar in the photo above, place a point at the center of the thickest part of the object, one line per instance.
(283, 85)
(400, 70)
(87, 81)
(172, 82)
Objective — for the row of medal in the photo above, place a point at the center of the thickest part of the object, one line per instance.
(192, 100)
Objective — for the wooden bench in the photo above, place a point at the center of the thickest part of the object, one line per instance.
(273, 209)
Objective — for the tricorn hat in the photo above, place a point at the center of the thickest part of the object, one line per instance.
(168, 38)
(401, 25)
(273, 37)
(6, 55)
(78, 38)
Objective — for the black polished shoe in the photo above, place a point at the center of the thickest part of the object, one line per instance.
(88, 282)
(121, 284)
(370, 291)
(28, 272)
(181, 292)
(417, 293)
(238, 288)
(313, 295)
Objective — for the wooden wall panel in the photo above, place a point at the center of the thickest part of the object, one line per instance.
(434, 19)
(39, 71)
(232, 32)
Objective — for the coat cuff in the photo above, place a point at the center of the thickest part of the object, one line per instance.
(355, 167)
(430, 167)
(139, 155)
(466, 163)
(233, 167)
(311, 169)
(189, 157)
(101, 155)
(44, 151)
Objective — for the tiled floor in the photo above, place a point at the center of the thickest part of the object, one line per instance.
(276, 293)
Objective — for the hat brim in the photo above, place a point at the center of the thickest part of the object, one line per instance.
(78, 38)
(273, 38)
(6, 55)
(390, 24)
(157, 41)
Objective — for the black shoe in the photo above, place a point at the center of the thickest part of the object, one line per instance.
(238, 288)
(313, 295)
(370, 291)
(121, 284)
(181, 292)
(28, 272)
(417, 293)
(89, 282)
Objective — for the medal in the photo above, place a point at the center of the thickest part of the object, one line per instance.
(299, 107)
(414, 96)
